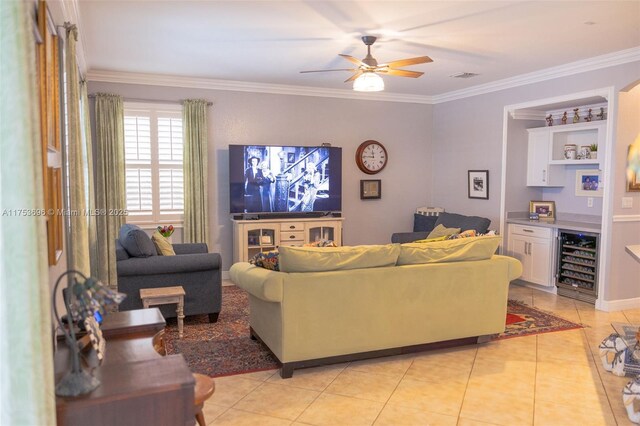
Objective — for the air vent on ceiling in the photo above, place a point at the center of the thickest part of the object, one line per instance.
(464, 75)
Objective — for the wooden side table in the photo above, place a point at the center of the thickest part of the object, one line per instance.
(164, 296)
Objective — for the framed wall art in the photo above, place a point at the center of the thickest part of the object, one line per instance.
(544, 209)
(370, 189)
(478, 185)
(633, 176)
(589, 183)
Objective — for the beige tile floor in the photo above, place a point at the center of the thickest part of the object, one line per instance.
(547, 379)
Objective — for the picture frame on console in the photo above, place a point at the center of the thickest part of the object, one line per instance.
(478, 185)
(546, 210)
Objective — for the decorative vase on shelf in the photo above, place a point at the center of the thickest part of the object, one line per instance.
(594, 155)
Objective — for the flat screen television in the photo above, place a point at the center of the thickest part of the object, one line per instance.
(285, 179)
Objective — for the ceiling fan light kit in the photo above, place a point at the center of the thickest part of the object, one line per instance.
(366, 78)
(368, 82)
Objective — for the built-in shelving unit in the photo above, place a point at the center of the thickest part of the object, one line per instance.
(546, 152)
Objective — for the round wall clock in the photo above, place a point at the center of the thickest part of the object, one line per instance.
(371, 157)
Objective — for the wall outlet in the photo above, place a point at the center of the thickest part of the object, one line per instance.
(627, 202)
(590, 202)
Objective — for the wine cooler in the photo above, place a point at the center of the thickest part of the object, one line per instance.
(577, 272)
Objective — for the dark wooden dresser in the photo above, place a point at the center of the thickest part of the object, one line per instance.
(138, 385)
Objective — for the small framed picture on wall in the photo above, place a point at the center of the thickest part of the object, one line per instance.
(478, 184)
(370, 189)
(588, 183)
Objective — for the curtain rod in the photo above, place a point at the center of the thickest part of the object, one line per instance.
(155, 101)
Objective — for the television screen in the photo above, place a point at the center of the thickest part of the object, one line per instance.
(285, 179)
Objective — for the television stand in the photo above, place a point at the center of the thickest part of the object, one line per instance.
(284, 215)
(261, 234)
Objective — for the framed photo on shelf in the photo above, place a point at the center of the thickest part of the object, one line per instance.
(370, 189)
(266, 239)
(478, 184)
(589, 183)
(544, 209)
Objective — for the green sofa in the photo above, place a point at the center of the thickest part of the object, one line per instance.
(315, 318)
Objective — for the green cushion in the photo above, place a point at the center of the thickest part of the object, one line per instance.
(474, 248)
(320, 259)
(441, 231)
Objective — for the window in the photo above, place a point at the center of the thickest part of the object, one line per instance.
(153, 158)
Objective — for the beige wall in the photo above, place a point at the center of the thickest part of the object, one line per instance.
(625, 271)
(256, 118)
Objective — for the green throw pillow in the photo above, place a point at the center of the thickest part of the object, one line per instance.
(441, 231)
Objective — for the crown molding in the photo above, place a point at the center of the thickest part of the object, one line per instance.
(591, 64)
(242, 86)
(572, 68)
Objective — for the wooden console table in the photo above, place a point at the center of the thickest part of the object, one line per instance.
(138, 386)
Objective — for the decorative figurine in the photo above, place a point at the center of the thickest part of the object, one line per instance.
(589, 116)
(550, 120)
(564, 118)
(576, 117)
(612, 353)
(601, 115)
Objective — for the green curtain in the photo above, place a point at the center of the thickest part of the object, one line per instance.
(78, 248)
(89, 193)
(109, 182)
(26, 353)
(196, 217)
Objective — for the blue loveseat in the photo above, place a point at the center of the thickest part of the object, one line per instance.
(423, 225)
(193, 268)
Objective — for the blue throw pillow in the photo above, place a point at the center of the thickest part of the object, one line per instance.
(422, 223)
(452, 220)
(136, 242)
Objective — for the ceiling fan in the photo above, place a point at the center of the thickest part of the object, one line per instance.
(365, 76)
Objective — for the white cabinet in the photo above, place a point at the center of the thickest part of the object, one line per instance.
(539, 171)
(251, 237)
(545, 155)
(533, 246)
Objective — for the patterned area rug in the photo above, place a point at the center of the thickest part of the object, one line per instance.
(224, 348)
(523, 320)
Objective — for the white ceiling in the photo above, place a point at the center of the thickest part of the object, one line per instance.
(271, 41)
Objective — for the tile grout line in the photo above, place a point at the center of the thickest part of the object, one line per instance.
(466, 386)
(320, 394)
(393, 391)
(593, 358)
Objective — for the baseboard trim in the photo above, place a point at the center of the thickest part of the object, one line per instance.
(546, 289)
(620, 304)
(626, 218)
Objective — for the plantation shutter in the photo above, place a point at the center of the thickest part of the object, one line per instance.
(153, 157)
(171, 182)
(137, 154)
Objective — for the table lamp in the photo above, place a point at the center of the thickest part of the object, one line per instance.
(83, 297)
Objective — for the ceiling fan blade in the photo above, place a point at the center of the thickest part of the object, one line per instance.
(401, 73)
(356, 61)
(409, 61)
(340, 69)
(354, 76)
